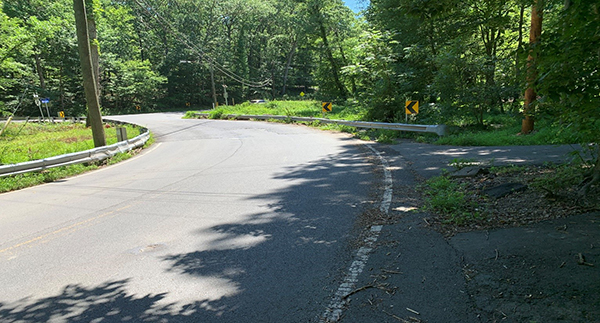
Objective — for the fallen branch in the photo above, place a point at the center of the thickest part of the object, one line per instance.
(412, 311)
(411, 319)
(358, 290)
(581, 261)
(396, 317)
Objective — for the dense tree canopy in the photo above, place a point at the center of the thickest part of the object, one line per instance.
(464, 60)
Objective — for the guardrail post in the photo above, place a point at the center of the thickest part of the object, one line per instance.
(121, 134)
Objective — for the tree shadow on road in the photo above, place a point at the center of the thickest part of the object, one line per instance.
(280, 261)
(108, 302)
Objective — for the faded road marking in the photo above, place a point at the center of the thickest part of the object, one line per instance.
(333, 313)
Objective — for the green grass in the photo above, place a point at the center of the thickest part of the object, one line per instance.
(507, 134)
(448, 198)
(500, 130)
(348, 111)
(24, 142)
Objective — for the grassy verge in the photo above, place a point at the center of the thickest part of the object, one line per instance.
(508, 134)
(499, 130)
(25, 142)
(350, 111)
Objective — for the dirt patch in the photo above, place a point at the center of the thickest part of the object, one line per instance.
(70, 140)
(548, 194)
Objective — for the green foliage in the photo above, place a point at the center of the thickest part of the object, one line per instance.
(447, 198)
(216, 113)
(134, 86)
(386, 136)
(17, 182)
(549, 134)
(463, 60)
(190, 115)
(569, 68)
(557, 177)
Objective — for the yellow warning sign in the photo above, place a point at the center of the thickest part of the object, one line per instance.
(327, 106)
(412, 107)
(61, 114)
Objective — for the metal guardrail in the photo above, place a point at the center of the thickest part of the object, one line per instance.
(46, 119)
(92, 155)
(440, 130)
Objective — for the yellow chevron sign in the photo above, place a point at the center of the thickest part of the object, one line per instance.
(412, 107)
(327, 106)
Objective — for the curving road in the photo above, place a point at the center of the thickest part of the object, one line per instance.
(219, 221)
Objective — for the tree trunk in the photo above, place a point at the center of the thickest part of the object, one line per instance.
(40, 70)
(334, 67)
(345, 62)
(89, 83)
(537, 11)
(287, 66)
(518, 73)
(212, 82)
(61, 87)
(316, 11)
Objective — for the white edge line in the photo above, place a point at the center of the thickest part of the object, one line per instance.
(334, 311)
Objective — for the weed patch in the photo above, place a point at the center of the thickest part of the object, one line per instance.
(448, 198)
(552, 191)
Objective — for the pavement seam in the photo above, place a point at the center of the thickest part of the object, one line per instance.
(334, 311)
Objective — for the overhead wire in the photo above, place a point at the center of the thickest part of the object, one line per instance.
(149, 11)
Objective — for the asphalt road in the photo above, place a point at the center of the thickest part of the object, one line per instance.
(219, 221)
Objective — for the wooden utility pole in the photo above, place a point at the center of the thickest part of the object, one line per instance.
(93, 36)
(535, 32)
(89, 82)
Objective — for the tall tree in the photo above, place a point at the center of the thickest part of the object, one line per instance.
(537, 13)
(317, 13)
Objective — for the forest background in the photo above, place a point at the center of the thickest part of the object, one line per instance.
(465, 61)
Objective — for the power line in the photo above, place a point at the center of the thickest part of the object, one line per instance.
(167, 26)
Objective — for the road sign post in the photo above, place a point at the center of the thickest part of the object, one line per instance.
(46, 101)
(36, 98)
(225, 95)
